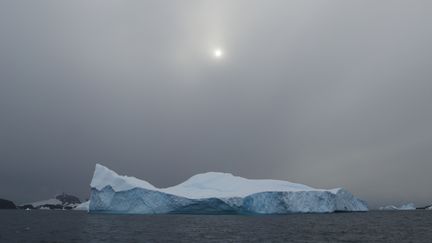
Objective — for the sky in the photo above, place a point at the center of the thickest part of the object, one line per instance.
(327, 93)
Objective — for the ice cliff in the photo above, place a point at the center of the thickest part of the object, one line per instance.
(214, 193)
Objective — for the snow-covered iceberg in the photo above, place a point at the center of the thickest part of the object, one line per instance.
(214, 193)
(408, 206)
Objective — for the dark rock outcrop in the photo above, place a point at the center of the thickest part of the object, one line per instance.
(6, 204)
(68, 199)
(26, 206)
(51, 206)
(425, 207)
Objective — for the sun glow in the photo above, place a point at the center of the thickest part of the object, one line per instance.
(218, 53)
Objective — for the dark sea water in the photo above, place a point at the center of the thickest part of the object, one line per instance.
(73, 226)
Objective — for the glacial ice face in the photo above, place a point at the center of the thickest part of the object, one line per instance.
(286, 202)
(83, 206)
(214, 193)
(144, 201)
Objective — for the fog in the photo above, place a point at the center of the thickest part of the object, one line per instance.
(324, 93)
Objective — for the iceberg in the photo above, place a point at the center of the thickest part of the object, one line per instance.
(409, 206)
(214, 193)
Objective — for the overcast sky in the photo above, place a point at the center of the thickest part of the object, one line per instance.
(325, 93)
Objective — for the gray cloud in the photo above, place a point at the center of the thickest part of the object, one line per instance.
(325, 93)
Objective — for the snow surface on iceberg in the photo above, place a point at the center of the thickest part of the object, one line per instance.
(214, 193)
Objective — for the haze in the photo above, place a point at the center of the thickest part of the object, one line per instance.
(325, 93)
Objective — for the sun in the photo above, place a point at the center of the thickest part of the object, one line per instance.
(217, 53)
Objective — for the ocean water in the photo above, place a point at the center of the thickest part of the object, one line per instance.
(74, 226)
